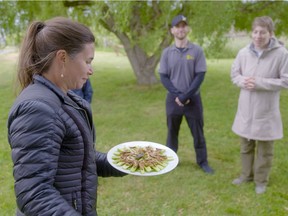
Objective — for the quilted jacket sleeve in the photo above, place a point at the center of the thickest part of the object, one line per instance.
(35, 135)
(88, 91)
(104, 169)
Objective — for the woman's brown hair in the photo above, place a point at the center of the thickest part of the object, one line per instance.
(44, 39)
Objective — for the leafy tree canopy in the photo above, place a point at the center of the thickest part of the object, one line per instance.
(143, 27)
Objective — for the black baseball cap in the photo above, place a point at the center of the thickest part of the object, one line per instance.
(178, 19)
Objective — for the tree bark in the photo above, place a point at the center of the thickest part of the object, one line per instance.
(144, 66)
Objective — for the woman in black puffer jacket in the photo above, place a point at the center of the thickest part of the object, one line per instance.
(50, 129)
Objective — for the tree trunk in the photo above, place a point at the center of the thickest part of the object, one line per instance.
(143, 66)
(145, 73)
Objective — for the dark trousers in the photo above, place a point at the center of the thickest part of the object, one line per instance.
(193, 114)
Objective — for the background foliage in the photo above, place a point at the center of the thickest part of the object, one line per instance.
(124, 111)
(210, 20)
(141, 28)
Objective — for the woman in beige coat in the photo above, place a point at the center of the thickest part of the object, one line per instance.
(260, 70)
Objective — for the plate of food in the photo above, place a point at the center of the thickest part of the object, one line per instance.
(142, 158)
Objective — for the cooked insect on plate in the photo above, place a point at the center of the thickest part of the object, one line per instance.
(142, 159)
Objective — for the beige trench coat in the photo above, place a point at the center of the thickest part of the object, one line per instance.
(258, 115)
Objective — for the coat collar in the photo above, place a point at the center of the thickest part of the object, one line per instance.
(70, 98)
(273, 44)
(50, 85)
(189, 45)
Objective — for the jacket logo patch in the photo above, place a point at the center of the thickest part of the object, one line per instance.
(189, 57)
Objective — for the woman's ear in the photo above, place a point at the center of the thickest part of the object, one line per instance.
(61, 56)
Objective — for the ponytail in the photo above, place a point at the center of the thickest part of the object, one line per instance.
(44, 39)
(28, 55)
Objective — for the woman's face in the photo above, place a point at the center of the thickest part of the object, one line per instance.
(261, 37)
(79, 68)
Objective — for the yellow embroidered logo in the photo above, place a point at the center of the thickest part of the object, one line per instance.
(189, 57)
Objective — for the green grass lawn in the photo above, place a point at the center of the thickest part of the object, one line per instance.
(124, 111)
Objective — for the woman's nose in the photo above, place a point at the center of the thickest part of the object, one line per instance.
(90, 70)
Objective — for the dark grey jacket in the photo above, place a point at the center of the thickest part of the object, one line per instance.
(55, 164)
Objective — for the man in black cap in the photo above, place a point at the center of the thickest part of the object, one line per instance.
(182, 70)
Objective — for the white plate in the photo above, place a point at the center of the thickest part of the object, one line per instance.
(168, 152)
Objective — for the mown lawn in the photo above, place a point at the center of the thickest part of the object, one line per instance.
(124, 111)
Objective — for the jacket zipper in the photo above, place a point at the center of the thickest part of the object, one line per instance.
(75, 204)
(85, 114)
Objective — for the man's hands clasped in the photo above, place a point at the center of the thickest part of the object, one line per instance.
(180, 103)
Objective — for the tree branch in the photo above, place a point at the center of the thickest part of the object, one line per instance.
(70, 3)
(249, 8)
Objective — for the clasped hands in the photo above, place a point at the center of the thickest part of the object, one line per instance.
(249, 83)
(180, 103)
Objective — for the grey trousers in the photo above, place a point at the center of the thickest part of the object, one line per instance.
(256, 158)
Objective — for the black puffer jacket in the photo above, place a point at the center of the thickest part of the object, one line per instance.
(55, 164)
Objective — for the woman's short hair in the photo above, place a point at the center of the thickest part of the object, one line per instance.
(264, 21)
